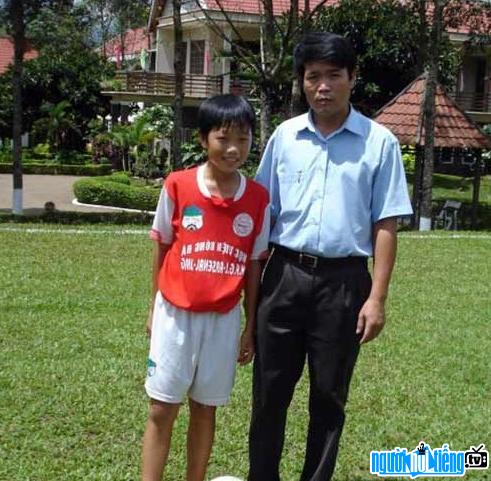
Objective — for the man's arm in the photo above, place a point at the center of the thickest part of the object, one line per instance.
(159, 252)
(371, 318)
(251, 290)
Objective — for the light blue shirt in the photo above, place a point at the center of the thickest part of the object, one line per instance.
(327, 192)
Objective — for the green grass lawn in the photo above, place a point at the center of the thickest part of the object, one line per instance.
(73, 355)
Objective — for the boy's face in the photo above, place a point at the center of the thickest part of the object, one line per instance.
(228, 147)
(327, 88)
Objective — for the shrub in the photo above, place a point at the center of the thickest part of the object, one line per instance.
(41, 168)
(408, 158)
(119, 177)
(41, 152)
(71, 157)
(116, 194)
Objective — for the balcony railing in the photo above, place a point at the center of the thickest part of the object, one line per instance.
(198, 86)
(473, 101)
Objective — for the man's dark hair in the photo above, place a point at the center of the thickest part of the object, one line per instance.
(225, 111)
(324, 46)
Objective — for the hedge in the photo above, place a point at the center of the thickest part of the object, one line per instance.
(79, 218)
(116, 194)
(41, 168)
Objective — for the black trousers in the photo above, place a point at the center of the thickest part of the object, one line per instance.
(304, 313)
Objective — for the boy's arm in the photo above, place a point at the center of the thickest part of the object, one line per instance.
(159, 252)
(251, 291)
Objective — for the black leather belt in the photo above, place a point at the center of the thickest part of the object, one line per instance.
(313, 262)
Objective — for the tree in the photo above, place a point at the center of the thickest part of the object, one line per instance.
(101, 21)
(179, 68)
(385, 36)
(436, 16)
(273, 64)
(66, 69)
(128, 14)
(58, 123)
(16, 13)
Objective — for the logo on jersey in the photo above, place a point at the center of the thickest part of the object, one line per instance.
(243, 224)
(192, 218)
(151, 366)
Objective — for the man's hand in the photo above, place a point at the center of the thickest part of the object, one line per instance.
(371, 320)
(246, 347)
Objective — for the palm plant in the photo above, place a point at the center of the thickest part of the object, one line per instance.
(59, 121)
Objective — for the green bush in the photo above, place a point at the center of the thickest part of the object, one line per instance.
(108, 192)
(70, 157)
(79, 218)
(41, 168)
(42, 152)
(119, 177)
(408, 158)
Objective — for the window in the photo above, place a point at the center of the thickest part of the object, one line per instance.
(197, 60)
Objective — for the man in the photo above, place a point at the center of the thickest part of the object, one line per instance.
(337, 185)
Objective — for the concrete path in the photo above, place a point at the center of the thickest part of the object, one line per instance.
(39, 189)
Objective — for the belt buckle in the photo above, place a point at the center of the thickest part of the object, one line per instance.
(311, 261)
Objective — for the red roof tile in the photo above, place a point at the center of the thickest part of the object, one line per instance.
(453, 128)
(134, 41)
(468, 23)
(7, 53)
(256, 6)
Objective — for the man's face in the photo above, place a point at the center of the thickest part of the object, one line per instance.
(327, 89)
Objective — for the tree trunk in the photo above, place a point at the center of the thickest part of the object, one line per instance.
(179, 69)
(429, 119)
(122, 39)
(417, 182)
(475, 191)
(16, 12)
(265, 119)
(296, 106)
(268, 55)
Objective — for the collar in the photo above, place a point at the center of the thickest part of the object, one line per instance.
(352, 123)
(200, 177)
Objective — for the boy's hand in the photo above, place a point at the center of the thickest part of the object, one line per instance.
(246, 347)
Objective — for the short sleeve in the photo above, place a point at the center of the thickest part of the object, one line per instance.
(390, 196)
(260, 249)
(162, 223)
(267, 176)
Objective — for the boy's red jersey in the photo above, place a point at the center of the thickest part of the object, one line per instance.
(212, 240)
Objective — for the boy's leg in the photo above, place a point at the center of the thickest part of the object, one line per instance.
(201, 432)
(156, 440)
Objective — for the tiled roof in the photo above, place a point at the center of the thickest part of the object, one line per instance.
(7, 53)
(453, 128)
(256, 6)
(134, 41)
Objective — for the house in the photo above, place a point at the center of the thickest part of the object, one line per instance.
(473, 88)
(209, 70)
(7, 53)
(134, 41)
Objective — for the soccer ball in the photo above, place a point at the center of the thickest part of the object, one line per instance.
(226, 478)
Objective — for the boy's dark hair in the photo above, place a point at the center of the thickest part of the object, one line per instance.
(224, 111)
(324, 46)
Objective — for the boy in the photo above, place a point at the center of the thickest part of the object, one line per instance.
(211, 230)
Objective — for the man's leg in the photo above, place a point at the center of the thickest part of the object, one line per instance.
(201, 432)
(156, 440)
(332, 346)
(280, 357)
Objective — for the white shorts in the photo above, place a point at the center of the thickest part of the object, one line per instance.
(192, 353)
